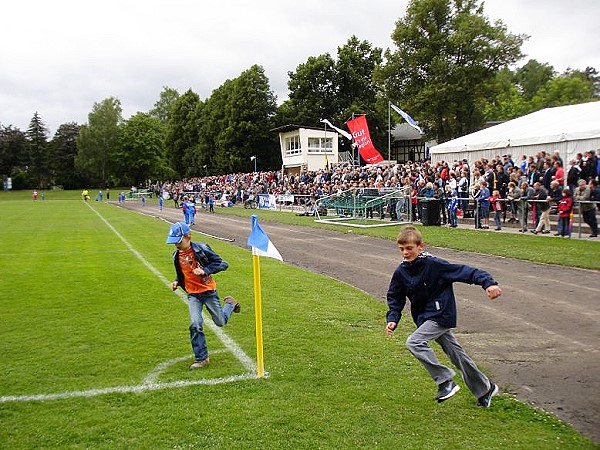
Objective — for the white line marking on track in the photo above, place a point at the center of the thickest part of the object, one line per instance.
(566, 283)
(558, 336)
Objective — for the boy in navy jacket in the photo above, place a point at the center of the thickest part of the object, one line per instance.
(427, 282)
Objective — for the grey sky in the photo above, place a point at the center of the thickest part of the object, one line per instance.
(60, 57)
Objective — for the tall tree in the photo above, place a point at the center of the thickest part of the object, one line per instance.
(447, 53)
(532, 76)
(141, 154)
(37, 135)
(357, 93)
(506, 100)
(249, 107)
(335, 89)
(567, 89)
(312, 94)
(13, 150)
(182, 131)
(162, 108)
(234, 125)
(98, 141)
(63, 150)
(592, 75)
(354, 68)
(535, 86)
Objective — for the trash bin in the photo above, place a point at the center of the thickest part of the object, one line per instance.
(431, 212)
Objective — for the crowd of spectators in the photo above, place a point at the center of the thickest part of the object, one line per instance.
(511, 190)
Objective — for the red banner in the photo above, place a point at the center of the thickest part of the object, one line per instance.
(360, 133)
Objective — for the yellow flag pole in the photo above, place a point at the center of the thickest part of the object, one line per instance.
(260, 366)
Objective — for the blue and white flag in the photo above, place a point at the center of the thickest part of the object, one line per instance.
(260, 242)
(339, 130)
(408, 119)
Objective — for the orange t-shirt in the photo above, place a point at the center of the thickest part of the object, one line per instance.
(194, 284)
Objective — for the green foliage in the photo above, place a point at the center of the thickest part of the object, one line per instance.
(328, 88)
(563, 90)
(335, 89)
(447, 54)
(535, 86)
(312, 94)
(532, 77)
(38, 160)
(98, 141)
(13, 150)
(109, 321)
(182, 131)
(63, 150)
(234, 125)
(164, 105)
(141, 153)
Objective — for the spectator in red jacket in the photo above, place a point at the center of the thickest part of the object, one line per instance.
(565, 208)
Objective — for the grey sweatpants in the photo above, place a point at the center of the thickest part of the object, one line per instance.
(418, 344)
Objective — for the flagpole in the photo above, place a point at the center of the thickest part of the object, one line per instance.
(325, 144)
(260, 365)
(389, 132)
(353, 142)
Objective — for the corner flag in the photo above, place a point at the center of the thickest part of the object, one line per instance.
(261, 246)
(260, 242)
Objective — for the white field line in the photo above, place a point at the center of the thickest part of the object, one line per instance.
(246, 361)
(126, 389)
(152, 377)
(149, 383)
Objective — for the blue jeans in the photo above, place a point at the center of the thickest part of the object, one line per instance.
(464, 200)
(452, 217)
(498, 219)
(220, 316)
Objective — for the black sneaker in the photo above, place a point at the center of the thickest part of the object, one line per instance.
(485, 401)
(446, 390)
(236, 306)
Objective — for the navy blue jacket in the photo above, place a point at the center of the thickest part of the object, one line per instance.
(427, 283)
(210, 261)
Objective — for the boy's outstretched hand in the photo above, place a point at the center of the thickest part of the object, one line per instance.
(390, 327)
(493, 291)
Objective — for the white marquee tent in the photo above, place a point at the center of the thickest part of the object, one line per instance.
(569, 129)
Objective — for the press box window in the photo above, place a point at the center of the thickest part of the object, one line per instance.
(320, 145)
(292, 146)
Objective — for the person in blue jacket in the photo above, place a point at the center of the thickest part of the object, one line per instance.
(427, 282)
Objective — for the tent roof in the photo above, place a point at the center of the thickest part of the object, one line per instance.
(550, 125)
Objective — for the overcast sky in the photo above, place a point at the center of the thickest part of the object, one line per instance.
(60, 57)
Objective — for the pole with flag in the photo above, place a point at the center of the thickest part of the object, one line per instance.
(406, 117)
(261, 246)
(389, 131)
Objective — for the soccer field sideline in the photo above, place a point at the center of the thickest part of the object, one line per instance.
(148, 384)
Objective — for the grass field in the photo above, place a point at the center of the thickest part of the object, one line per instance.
(95, 352)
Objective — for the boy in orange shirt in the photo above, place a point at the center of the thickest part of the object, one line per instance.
(195, 265)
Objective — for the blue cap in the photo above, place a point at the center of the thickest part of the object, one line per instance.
(177, 232)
